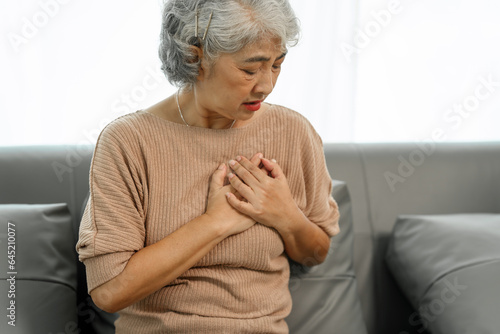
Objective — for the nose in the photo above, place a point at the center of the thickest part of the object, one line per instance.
(265, 84)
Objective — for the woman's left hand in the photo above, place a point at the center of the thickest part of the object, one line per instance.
(268, 199)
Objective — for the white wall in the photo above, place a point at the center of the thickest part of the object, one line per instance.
(69, 67)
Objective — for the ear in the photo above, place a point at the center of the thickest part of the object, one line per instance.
(197, 55)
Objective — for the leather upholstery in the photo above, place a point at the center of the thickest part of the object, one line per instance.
(55, 174)
(325, 298)
(448, 267)
(453, 178)
(39, 276)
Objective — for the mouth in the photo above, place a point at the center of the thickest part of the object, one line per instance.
(253, 105)
(253, 102)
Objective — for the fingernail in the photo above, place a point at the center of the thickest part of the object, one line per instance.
(228, 194)
(260, 156)
(221, 167)
(238, 158)
(273, 160)
(232, 163)
(230, 176)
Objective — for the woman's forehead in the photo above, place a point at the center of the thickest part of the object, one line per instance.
(266, 50)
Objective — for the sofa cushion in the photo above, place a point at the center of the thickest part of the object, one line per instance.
(40, 287)
(448, 267)
(325, 297)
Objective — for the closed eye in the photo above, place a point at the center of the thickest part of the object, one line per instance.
(278, 63)
(249, 72)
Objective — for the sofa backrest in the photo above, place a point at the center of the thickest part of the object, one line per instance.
(386, 180)
(46, 174)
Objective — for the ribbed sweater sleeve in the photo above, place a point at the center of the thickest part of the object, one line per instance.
(321, 207)
(112, 227)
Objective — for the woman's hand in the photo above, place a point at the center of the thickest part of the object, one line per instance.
(268, 199)
(232, 221)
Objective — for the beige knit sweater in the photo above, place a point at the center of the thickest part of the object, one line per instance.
(149, 176)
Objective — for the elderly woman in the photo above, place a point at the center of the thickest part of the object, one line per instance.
(197, 203)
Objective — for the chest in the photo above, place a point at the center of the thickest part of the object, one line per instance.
(178, 190)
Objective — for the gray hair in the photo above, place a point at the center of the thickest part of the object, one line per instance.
(234, 24)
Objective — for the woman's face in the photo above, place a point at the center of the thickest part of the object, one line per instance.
(236, 85)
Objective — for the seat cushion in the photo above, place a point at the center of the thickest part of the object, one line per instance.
(448, 267)
(325, 297)
(38, 273)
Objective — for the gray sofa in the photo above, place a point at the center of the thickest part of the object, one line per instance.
(376, 184)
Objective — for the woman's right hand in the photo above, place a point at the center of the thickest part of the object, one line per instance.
(230, 220)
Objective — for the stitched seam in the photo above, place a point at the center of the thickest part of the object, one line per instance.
(366, 186)
(437, 279)
(47, 281)
(335, 277)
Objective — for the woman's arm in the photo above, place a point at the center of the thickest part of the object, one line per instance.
(270, 202)
(305, 242)
(156, 265)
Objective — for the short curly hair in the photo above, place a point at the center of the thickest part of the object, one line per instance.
(234, 24)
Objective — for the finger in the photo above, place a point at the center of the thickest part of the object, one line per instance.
(248, 172)
(230, 188)
(245, 191)
(235, 192)
(257, 161)
(264, 169)
(218, 176)
(238, 196)
(273, 168)
(243, 207)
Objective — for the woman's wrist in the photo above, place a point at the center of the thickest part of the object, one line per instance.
(219, 230)
(290, 223)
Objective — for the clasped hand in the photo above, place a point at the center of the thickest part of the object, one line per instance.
(261, 193)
